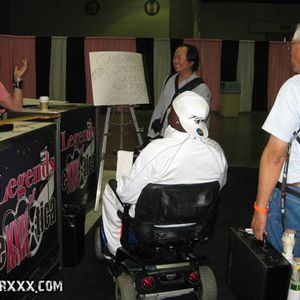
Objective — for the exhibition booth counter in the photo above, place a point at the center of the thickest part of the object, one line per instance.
(48, 174)
(30, 204)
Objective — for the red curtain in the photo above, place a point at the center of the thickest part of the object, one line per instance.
(103, 44)
(13, 49)
(279, 69)
(210, 66)
(6, 61)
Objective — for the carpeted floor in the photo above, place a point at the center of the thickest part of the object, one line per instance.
(90, 280)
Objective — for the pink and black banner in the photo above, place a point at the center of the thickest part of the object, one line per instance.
(28, 203)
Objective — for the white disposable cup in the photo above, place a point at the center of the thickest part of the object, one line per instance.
(44, 101)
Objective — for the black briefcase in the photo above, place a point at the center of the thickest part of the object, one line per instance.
(256, 270)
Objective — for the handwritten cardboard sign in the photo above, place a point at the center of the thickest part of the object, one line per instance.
(118, 78)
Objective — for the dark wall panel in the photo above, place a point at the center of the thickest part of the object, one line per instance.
(5, 17)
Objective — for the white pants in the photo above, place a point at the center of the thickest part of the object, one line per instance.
(111, 221)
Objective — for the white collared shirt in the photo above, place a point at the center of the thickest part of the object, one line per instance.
(284, 119)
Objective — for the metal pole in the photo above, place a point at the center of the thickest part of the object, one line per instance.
(122, 129)
(136, 126)
(102, 155)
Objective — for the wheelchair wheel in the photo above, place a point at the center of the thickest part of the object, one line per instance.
(209, 285)
(98, 247)
(124, 289)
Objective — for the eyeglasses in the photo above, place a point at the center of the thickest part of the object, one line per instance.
(289, 44)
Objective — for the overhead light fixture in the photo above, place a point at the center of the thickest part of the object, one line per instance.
(92, 7)
(151, 7)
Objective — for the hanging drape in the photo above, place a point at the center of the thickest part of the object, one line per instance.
(209, 66)
(211, 72)
(75, 73)
(58, 62)
(6, 61)
(279, 69)
(260, 80)
(145, 47)
(229, 57)
(103, 44)
(42, 59)
(162, 66)
(13, 50)
(245, 74)
(59, 66)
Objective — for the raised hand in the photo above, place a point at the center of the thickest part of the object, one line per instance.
(19, 72)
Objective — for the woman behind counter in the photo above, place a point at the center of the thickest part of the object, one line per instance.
(13, 102)
(185, 62)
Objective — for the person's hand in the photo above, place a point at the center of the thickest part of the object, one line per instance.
(258, 224)
(19, 72)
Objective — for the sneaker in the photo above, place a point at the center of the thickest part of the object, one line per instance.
(108, 257)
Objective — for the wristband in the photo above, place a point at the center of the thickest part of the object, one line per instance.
(260, 209)
(18, 84)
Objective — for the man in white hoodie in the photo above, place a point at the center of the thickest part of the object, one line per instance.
(185, 155)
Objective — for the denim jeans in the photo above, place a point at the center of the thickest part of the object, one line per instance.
(292, 219)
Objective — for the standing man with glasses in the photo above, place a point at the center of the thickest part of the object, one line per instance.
(282, 122)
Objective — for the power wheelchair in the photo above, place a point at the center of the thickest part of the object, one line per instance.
(157, 259)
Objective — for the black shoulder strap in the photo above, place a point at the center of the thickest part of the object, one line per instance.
(190, 85)
(169, 76)
(187, 87)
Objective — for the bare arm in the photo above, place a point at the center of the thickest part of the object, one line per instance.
(14, 102)
(271, 163)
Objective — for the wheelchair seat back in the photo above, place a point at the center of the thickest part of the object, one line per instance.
(175, 213)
